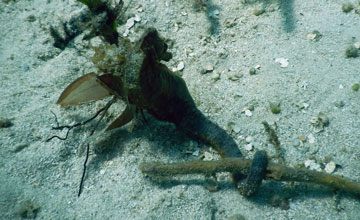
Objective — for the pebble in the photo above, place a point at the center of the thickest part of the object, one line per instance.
(5, 123)
(330, 167)
(339, 104)
(209, 68)
(347, 7)
(196, 153)
(215, 76)
(315, 36)
(234, 76)
(355, 87)
(302, 138)
(283, 62)
(19, 148)
(131, 21)
(248, 113)
(236, 128)
(357, 45)
(275, 107)
(248, 139)
(311, 138)
(248, 147)
(208, 156)
(351, 52)
(180, 66)
(312, 165)
(319, 122)
(252, 71)
(258, 12)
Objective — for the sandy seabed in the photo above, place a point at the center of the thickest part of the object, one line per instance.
(225, 40)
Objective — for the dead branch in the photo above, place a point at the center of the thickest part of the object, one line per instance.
(274, 172)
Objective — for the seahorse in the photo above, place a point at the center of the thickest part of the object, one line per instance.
(135, 74)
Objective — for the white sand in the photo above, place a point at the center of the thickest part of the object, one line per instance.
(33, 73)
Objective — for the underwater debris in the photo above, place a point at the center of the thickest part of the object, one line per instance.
(273, 172)
(134, 73)
(5, 123)
(258, 11)
(28, 209)
(319, 122)
(351, 52)
(284, 62)
(315, 36)
(104, 19)
(347, 7)
(275, 107)
(274, 140)
(355, 87)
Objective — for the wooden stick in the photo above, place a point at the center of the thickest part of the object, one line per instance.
(274, 172)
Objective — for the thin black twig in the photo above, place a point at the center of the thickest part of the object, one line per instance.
(70, 127)
(84, 170)
(107, 106)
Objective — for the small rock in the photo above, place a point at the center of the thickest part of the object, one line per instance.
(180, 66)
(357, 45)
(311, 138)
(339, 104)
(248, 139)
(275, 107)
(28, 210)
(209, 68)
(312, 165)
(248, 113)
(351, 52)
(302, 138)
(5, 123)
(347, 7)
(137, 18)
(215, 76)
(130, 23)
(248, 147)
(355, 87)
(330, 167)
(196, 153)
(236, 127)
(252, 71)
(230, 23)
(234, 76)
(283, 62)
(208, 156)
(19, 148)
(315, 36)
(258, 12)
(319, 122)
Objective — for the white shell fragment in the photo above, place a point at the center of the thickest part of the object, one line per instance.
(319, 122)
(249, 147)
(311, 138)
(312, 165)
(357, 45)
(248, 139)
(330, 167)
(180, 66)
(130, 23)
(283, 62)
(248, 113)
